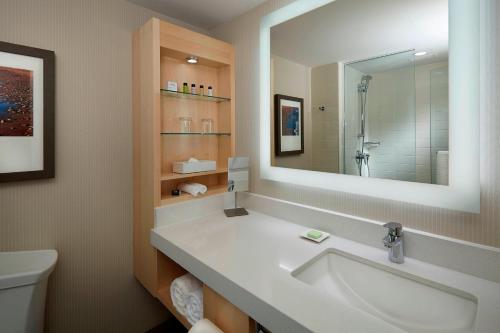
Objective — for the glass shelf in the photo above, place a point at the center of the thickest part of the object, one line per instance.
(177, 94)
(194, 133)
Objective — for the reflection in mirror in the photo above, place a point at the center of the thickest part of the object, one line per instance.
(373, 78)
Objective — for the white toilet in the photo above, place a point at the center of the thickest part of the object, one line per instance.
(23, 285)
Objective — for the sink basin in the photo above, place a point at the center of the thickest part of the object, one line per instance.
(409, 302)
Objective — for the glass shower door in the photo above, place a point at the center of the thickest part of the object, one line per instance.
(380, 117)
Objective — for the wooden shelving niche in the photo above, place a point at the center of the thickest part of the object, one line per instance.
(160, 50)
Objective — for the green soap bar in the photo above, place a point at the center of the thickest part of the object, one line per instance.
(315, 234)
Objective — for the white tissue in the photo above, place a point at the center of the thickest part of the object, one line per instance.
(192, 159)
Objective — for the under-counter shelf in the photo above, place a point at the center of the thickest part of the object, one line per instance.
(173, 176)
(168, 271)
(215, 307)
(169, 199)
(177, 94)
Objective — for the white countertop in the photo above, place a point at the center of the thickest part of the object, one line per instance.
(249, 261)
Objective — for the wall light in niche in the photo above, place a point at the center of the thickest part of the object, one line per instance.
(420, 54)
(192, 60)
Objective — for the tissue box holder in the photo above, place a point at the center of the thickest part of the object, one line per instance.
(193, 167)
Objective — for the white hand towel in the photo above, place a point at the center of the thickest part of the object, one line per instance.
(193, 188)
(203, 189)
(180, 289)
(194, 306)
(205, 326)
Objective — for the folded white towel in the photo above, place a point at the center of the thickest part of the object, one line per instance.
(205, 326)
(193, 188)
(194, 306)
(180, 289)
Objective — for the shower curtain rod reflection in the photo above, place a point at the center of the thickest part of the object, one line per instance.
(376, 57)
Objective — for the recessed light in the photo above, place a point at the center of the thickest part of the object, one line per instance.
(192, 60)
(419, 54)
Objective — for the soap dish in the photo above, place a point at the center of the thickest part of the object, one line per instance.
(315, 235)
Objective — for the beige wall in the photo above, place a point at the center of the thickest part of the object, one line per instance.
(86, 211)
(325, 124)
(482, 228)
(293, 79)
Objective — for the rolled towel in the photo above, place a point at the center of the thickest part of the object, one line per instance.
(180, 289)
(194, 306)
(193, 188)
(205, 326)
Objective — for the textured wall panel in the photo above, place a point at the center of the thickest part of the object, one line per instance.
(86, 211)
(481, 228)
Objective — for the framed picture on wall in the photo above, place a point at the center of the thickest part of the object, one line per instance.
(26, 113)
(288, 125)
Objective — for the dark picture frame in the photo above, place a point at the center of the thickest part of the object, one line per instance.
(280, 125)
(48, 58)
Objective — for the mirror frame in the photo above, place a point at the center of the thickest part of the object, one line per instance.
(463, 193)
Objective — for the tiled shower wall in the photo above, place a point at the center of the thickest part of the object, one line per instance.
(391, 121)
(439, 124)
(397, 118)
(423, 112)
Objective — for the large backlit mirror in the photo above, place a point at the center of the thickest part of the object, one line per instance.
(365, 82)
(376, 97)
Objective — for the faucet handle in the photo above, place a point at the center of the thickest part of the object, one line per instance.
(395, 228)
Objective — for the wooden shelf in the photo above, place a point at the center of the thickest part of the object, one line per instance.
(217, 309)
(196, 133)
(169, 199)
(159, 53)
(173, 176)
(166, 300)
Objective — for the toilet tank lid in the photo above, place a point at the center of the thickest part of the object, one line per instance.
(25, 267)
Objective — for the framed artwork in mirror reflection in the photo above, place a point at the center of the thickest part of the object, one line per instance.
(288, 125)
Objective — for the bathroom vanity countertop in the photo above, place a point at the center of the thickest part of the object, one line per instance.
(249, 261)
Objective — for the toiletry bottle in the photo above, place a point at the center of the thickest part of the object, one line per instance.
(202, 90)
(210, 91)
(185, 88)
(193, 89)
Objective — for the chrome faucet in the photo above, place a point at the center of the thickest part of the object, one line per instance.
(394, 241)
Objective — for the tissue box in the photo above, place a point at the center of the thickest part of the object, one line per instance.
(192, 167)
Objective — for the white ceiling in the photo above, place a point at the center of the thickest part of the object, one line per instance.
(205, 14)
(350, 30)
